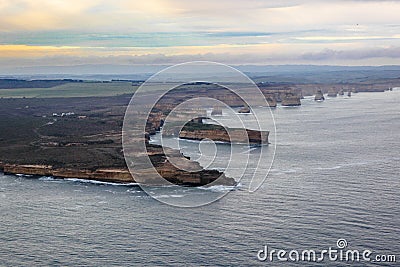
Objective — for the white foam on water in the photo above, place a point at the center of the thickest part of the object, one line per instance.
(168, 196)
(202, 141)
(252, 148)
(23, 175)
(329, 168)
(134, 191)
(220, 188)
(48, 178)
(98, 182)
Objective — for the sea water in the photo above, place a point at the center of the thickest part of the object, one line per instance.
(335, 176)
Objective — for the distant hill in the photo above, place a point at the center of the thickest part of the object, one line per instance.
(260, 73)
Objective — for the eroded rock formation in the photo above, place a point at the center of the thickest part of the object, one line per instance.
(290, 99)
(122, 175)
(319, 96)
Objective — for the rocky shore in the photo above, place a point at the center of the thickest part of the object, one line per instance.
(104, 175)
(199, 131)
(291, 100)
(234, 136)
(85, 145)
(122, 175)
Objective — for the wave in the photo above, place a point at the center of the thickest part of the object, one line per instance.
(49, 178)
(238, 113)
(279, 171)
(202, 141)
(252, 148)
(329, 168)
(23, 175)
(221, 188)
(84, 181)
(167, 196)
(99, 182)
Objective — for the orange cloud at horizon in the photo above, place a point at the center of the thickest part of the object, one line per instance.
(43, 51)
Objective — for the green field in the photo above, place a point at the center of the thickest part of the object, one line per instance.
(91, 89)
(72, 90)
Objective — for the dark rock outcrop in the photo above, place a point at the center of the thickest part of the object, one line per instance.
(122, 175)
(245, 109)
(290, 99)
(332, 93)
(217, 111)
(319, 96)
(196, 131)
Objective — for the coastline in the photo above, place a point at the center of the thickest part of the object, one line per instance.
(102, 175)
(123, 176)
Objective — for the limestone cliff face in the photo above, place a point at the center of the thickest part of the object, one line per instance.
(291, 99)
(122, 175)
(332, 93)
(319, 96)
(271, 101)
(106, 175)
(235, 101)
(234, 136)
(224, 95)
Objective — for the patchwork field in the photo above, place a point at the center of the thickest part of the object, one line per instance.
(74, 89)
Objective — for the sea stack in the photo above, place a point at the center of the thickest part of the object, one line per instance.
(245, 109)
(271, 101)
(301, 95)
(319, 96)
(332, 93)
(216, 111)
(290, 100)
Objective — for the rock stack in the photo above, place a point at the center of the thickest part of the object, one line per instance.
(245, 109)
(216, 111)
(290, 99)
(319, 96)
(332, 93)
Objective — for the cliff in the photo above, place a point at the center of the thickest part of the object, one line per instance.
(332, 93)
(319, 96)
(105, 175)
(122, 175)
(291, 99)
(245, 109)
(197, 131)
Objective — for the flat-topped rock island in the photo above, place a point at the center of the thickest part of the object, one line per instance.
(200, 131)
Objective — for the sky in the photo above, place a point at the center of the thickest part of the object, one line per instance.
(237, 32)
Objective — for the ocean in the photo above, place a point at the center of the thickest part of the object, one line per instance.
(335, 175)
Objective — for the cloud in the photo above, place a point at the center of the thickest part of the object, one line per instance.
(350, 55)
(167, 31)
(389, 55)
(183, 15)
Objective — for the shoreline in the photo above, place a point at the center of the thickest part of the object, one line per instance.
(120, 176)
(102, 175)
